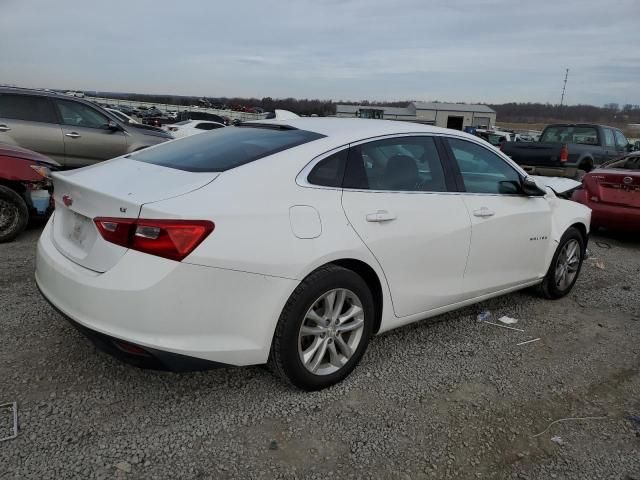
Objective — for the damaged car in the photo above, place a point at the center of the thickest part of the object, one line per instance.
(25, 189)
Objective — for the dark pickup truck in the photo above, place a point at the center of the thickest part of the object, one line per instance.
(568, 150)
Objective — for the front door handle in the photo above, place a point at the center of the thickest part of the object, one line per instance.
(484, 212)
(4, 128)
(380, 216)
(72, 135)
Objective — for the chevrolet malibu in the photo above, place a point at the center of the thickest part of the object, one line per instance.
(293, 242)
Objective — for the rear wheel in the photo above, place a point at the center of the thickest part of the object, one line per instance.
(324, 329)
(565, 266)
(14, 214)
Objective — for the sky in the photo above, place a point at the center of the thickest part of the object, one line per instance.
(491, 51)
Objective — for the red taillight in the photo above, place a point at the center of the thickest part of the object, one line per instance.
(173, 239)
(564, 154)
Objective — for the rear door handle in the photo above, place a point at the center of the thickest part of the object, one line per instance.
(4, 128)
(484, 212)
(72, 135)
(380, 216)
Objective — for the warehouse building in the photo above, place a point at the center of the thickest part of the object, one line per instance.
(448, 115)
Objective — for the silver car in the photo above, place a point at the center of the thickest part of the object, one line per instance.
(72, 131)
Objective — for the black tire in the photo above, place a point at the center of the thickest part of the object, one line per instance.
(549, 288)
(14, 214)
(284, 358)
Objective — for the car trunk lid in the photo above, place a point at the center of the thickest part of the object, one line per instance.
(615, 187)
(117, 188)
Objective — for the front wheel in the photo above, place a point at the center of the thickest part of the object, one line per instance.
(324, 329)
(565, 266)
(14, 214)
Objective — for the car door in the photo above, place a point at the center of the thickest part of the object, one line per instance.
(87, 138)
(30, 121)
(509, 230)
(609, 144)
(396, 196)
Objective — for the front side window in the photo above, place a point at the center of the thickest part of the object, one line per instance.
(409, 164)
(225, 148)
(27, 107)
(621, 140)
(608, 137)
(482, 170)
(77, 114)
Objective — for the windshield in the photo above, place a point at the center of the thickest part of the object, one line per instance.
(570, 134)
(224, 148)
(631, 162)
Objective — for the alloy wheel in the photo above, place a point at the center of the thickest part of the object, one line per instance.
(331, 331)
(567, 264)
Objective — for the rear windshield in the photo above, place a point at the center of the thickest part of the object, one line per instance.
(569, 134)
(224, 148)
(626, 163)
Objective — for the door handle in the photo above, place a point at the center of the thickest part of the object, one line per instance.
(380, 216)
(4, 128)
(72, 135)
(484, 212)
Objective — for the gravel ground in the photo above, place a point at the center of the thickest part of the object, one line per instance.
(445, 398)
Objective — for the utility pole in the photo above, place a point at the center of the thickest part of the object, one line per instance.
(564, 87)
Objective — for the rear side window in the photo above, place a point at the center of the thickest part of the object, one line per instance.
(224, 148)
(27, 107)
(329, 171)
(570, 134)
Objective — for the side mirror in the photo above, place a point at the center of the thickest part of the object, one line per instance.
(530, 188)
(113, 126)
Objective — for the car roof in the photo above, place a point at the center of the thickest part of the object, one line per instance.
(355, 128)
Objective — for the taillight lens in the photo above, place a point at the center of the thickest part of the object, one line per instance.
(173, 239)
(564, 154)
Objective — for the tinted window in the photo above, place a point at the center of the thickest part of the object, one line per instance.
(224, 148)
(80, 115)
(608, 137)
(398, 164)
(207, 126)
(329, 172)
(621, 140)
(570, 134)
(632, 162)
(482, 170)
(27, 107)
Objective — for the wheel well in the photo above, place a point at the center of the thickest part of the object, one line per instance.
(583, 231)
(371, 278)
(15, 186)
(586, 164)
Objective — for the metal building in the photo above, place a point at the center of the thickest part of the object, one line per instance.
(449, 115)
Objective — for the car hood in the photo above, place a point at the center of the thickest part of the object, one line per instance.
(148, 130)
(559, 185)
(19, 152)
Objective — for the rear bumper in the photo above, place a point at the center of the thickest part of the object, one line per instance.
(167, 308)
(615, 217)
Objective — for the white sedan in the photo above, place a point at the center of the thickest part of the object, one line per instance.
(294, 242)
(187, 128)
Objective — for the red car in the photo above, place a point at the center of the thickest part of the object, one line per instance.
(612, 191)
(24, 188)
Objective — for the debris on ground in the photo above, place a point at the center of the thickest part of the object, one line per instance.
(503, 326)
(566, 420)
(557, 440)
(507, 320)
(604, 245)
(484, 316)
(124, 467)
(635, 419)
(13, 407)
(273, 445)
(528, 341)
(599, 264)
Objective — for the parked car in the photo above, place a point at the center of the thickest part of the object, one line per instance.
(24, 189)
(191, 115)
(612, 192)
(293, 242)
(72, 131)
(191, 127)
(568, 150)
(127, 110)
(122, 116)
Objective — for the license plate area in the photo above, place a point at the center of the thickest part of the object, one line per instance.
(80, 229)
